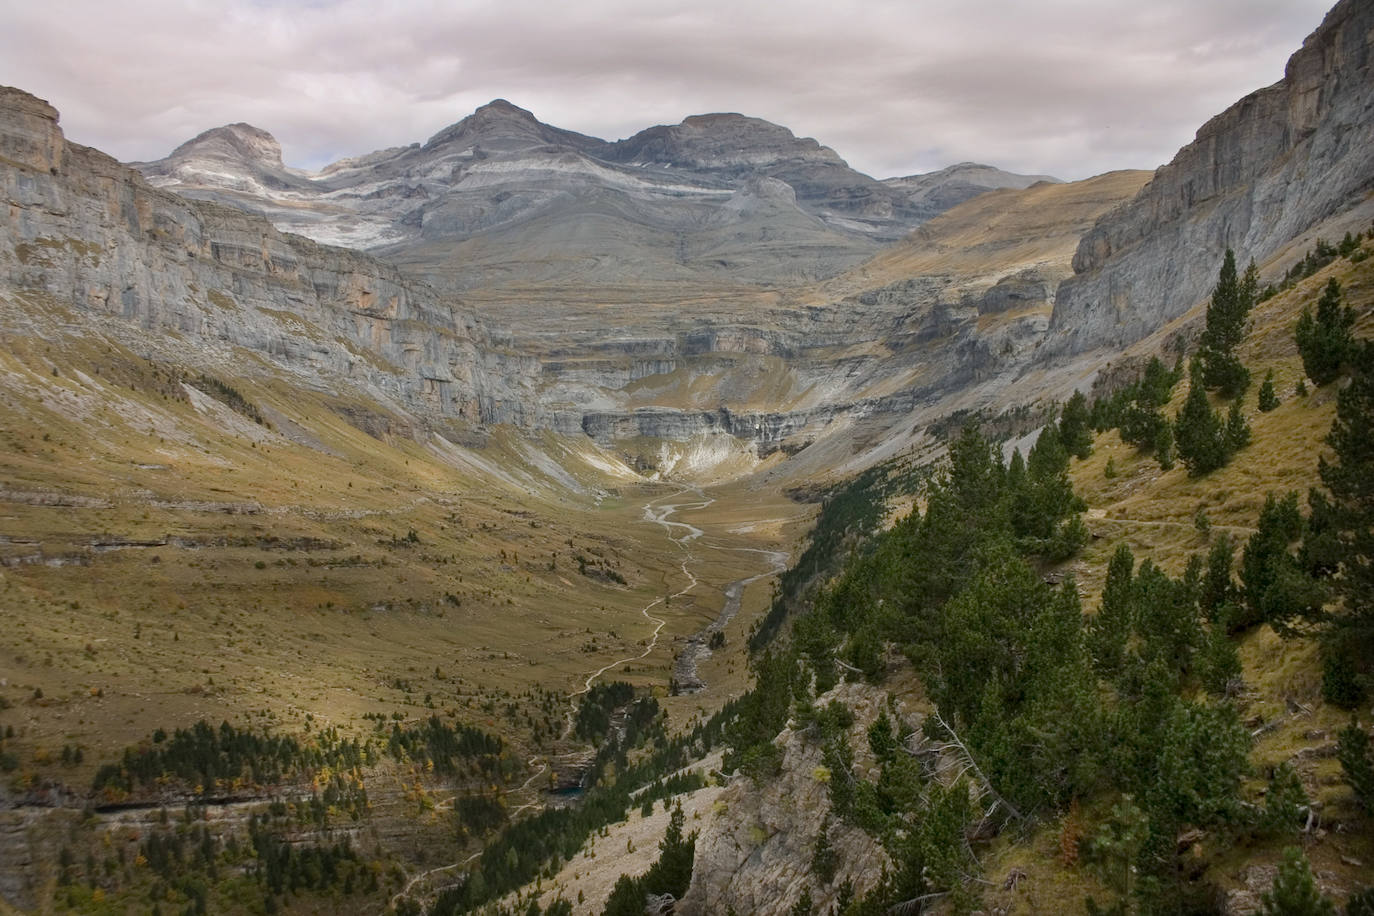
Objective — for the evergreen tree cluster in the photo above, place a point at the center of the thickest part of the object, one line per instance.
(1317, 257)
(1204, 441)
(850, 512)
(526, 848)
(594, 712)
(1343, 543)
(283, 867)
(437, 745)
(204, 756)
(1277, 570)
(228, 396)
(1043, 703)
(1137, 410)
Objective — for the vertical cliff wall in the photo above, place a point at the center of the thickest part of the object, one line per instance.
(92, 234)
(1275, 164)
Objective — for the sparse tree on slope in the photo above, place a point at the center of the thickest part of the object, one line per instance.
(1268, 399)
(1198, 429)
(1295, 891)
(1325, 341)
(1232, 299)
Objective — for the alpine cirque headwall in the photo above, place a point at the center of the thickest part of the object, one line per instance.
(195, 279)
(1006, 283)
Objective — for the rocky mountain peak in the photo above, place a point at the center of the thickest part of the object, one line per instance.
(237, 157)
(721, 140)
(502, 107)
(234, 142)
(500, 126)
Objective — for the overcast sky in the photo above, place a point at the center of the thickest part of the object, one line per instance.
(1066, 87)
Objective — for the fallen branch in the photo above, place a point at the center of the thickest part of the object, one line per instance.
(973, 765)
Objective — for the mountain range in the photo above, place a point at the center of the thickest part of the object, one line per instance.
(719, 197)
(426, 448)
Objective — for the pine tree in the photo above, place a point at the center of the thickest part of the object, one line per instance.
(1157, 384)
(824, 860)
(1268, 399)
(1164, 446)
(1218, 590)
(1283, 803)
(1295, 891)
(1277, 590)
(1227, 312)
(1198, 429)
(1325, 341)
(1352, 748)
(1350, 481)
(1361, 903)
(1043, 517)
(672, 873)
(1075, 426)
(627, 898)
(1236, 435)
(1110, 629)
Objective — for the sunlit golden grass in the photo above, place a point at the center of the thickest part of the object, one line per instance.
(1155, 512)
(204, 566)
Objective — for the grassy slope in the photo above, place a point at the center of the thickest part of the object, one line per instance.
(1153, 511)
(282, 583)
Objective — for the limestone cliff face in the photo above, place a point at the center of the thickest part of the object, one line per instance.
(624, 289)
(1278, 162)
(754, 853)
(91, 233)
(30, 138)
(195, 279)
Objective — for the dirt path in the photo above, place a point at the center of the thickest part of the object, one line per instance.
(683, 535)
(410, 885)
(1099, 515)
(659, 516)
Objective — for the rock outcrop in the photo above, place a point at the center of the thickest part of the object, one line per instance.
(1270, 167)
(196, 279)
(754, 852)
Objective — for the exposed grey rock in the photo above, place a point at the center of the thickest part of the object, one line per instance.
(935, 192)
(754, 854)
(1278, 162)
(91, 233)
(673, 202)
(31, 138)
(1024, 289)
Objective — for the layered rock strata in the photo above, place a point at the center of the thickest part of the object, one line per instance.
(88, 232)
(1275, 164)
(197, 279)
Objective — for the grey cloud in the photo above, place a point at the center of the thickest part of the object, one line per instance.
(1065, 87)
